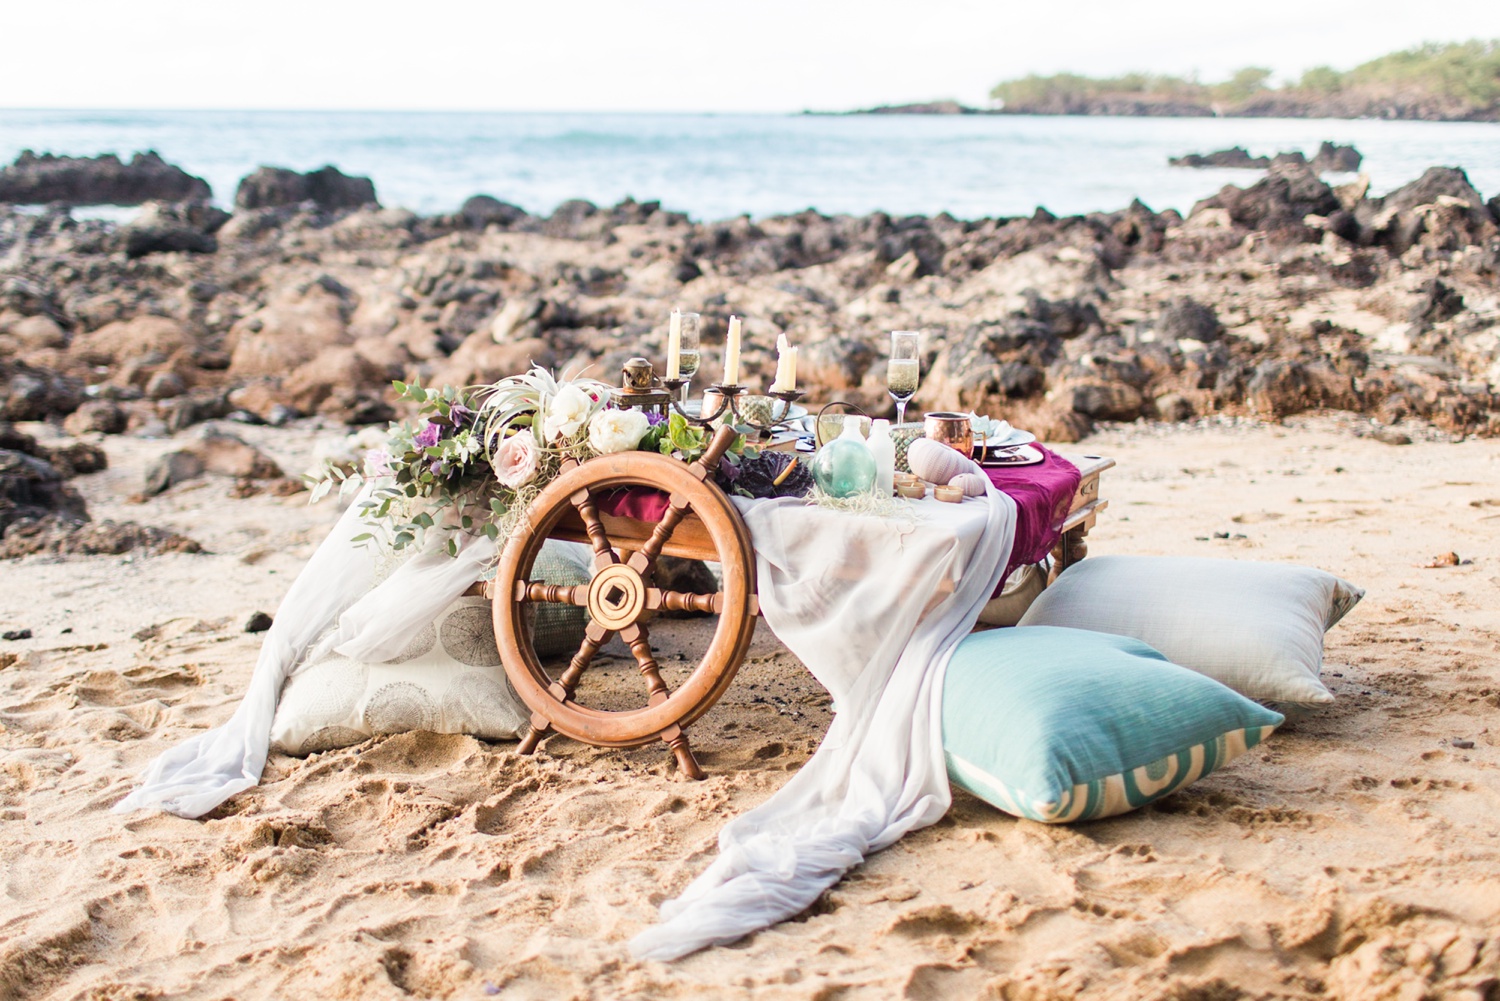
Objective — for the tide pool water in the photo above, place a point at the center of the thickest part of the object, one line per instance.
(718, 166)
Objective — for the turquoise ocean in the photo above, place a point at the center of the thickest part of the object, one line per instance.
(718, 166)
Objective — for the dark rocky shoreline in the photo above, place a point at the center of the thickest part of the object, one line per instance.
(1284, 296)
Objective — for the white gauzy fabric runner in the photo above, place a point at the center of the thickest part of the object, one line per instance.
(846, 594)
(334, 604)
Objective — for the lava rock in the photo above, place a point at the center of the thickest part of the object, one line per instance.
(481, 211)
(30, 393)
(31, 488)
(1107, 401)
(1174, 407)
(1281, 200)
(55, 536)
(98, 180)
(1235, 156)
(219, 451)
(1438, 302)
(1186, 319)
(96, 416)
(1332, 158)
(77, 459)
(171, 469)
(1390, 436)
(164, 228)
(328, 188)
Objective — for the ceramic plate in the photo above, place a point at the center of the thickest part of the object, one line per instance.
(1014, 439)
(1024, 455)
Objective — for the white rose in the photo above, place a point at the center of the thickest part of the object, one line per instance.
(566, 413)
(617, 430)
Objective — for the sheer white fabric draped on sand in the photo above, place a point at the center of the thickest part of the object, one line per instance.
(334, 604)
(848, 594)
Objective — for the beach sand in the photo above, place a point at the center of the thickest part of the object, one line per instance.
(1354, 855)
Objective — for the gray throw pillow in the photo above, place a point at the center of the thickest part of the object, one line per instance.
(1256, 627)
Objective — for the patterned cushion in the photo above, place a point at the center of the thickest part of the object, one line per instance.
(1059, 725)
(557, 630)
(1256, 627)
(447, 680)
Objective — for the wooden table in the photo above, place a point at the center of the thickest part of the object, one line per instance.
(622, 595)
(1082, 514)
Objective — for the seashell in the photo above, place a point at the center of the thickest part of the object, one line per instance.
(973, 484)
(936, 462)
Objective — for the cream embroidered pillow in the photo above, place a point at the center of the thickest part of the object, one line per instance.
(447, 680)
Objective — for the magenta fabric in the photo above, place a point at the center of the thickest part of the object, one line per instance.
(1043, 493)
(642, 503)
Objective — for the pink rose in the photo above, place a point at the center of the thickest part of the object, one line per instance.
(378, 463)
(515, 460)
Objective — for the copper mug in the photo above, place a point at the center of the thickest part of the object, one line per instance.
(953, 430)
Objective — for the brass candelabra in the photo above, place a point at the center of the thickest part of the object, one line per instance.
(730, 407)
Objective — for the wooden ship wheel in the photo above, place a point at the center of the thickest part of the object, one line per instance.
(622, 596)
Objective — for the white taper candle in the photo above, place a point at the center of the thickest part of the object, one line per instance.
(732, 353)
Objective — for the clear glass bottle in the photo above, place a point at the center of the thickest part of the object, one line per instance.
(883, 450)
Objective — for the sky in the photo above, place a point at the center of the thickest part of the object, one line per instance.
(664, 55)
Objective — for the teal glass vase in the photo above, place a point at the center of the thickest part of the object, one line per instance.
(844, 467)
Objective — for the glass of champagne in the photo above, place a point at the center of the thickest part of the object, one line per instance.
(687, 355)
(903, 371)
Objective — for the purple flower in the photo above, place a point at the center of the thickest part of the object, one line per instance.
(654, 418)
(460, 415)
(436, 468)
(428, 436)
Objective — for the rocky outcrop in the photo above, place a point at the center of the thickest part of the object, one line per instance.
(481, 211)
(1268, 299)
(1236, 157)
(163, 228)
(31, 487)
(97, 180)
(328, 188)
(32, 393)
(1330, 159)
(920, 108)
(41, 513)
(1279, 203)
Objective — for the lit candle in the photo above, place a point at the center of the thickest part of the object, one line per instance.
(786, 367)
(674, 346)
(732, 353)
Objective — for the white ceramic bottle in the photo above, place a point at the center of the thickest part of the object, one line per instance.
(883, 447)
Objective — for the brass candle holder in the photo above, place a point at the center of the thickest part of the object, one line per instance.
(730, 407)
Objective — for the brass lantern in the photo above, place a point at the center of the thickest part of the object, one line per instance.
(640, 389)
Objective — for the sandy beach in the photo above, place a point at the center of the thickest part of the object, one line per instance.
(1356, 855)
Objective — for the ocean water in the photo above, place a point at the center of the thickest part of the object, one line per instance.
(718, 166)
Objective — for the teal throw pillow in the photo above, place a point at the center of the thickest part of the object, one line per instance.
(1059, 725)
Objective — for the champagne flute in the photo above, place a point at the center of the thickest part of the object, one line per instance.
(687, 355)
(903, 372)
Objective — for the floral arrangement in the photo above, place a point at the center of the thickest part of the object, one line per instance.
(471, 460)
